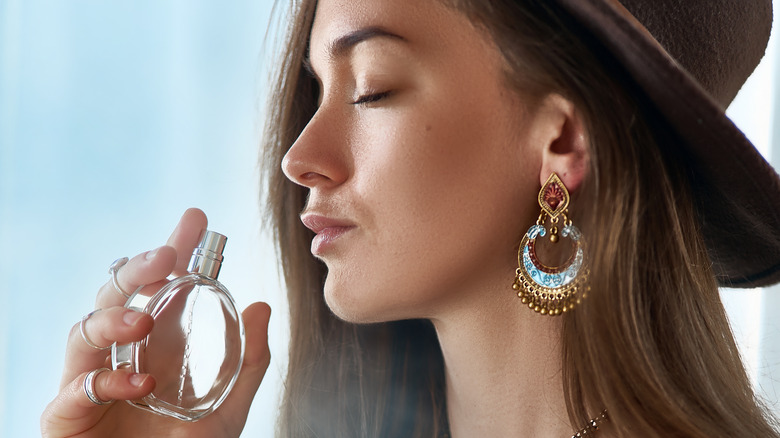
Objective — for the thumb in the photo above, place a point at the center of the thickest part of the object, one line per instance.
(256, 359)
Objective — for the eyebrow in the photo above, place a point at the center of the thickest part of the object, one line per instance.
(344, 43)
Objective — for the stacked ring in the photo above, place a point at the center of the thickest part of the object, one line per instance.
(84, 335)
(89, 387)
(113, 269)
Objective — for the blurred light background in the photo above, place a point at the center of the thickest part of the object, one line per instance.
(117, 116)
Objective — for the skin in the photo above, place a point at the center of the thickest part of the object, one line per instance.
(423, 170)
(427, 167)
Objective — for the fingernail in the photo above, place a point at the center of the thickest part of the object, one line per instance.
(131, 317)
(138, 379)
(150, 255)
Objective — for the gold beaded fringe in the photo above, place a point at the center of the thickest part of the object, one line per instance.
(549, 301)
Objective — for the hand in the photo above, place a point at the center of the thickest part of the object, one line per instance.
(71, 413)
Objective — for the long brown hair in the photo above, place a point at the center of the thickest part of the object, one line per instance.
(651, 343)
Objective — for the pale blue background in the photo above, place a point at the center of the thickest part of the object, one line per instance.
(115, 116)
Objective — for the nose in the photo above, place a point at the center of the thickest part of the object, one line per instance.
(319, 156)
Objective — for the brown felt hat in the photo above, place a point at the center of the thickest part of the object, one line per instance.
(690, 58)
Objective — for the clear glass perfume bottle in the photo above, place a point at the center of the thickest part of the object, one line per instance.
(196, 347)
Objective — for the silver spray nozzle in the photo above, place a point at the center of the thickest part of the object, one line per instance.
(207, 256)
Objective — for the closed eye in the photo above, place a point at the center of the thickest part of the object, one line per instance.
(371, 98)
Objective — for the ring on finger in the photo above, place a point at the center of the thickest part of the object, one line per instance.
(84, 335)
(113, 269)
(89, 387)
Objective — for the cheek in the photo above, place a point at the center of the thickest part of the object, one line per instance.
(442, 189)
(437, 151)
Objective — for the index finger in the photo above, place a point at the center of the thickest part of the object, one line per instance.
(185, 237)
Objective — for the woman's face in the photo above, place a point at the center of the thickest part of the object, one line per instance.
(420, 162)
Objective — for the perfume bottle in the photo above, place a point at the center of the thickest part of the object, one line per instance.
(196, 347)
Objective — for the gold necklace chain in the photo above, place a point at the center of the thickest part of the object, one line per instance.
(593, 426)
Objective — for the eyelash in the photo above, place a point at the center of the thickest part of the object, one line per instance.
(371, 98)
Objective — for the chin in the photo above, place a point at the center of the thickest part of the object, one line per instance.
(362, 305)
(350, 308)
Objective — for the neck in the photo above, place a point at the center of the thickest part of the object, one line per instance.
(503, 369)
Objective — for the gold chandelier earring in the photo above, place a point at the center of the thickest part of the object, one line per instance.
(551, 290)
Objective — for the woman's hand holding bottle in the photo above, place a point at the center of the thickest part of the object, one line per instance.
(72, 413)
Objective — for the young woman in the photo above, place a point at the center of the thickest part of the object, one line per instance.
(422, 159)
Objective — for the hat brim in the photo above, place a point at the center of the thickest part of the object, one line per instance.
(737, 193)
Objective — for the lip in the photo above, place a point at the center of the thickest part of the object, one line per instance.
(327, 231)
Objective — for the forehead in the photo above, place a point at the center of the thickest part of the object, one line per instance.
(341, 16)
(422, 22)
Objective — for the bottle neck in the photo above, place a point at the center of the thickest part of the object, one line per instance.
(206, 263)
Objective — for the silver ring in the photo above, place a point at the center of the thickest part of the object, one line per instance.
(113, 269)
(84, 335)
(89, 387)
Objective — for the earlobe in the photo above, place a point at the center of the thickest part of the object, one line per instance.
(566, 150)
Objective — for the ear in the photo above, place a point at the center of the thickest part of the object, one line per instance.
(565, 148)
